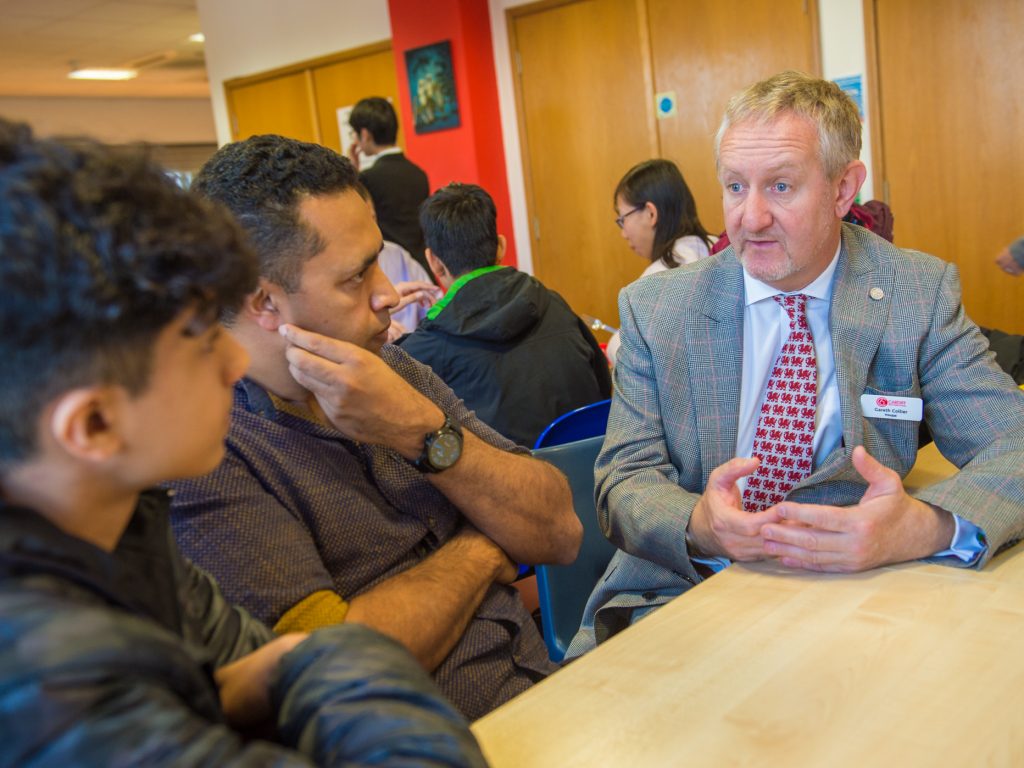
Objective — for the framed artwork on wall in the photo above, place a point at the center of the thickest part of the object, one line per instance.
(432, 87)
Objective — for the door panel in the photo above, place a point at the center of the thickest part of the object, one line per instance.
(282, 105)
(951, 108)
(582, 106)
(346, 82)
(707, 50)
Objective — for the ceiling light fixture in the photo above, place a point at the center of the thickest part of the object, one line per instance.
(198, 37)
(102, 74)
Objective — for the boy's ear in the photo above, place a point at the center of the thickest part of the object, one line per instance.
(84, 422)
(263, 305)
(436, 265)
(502, 245)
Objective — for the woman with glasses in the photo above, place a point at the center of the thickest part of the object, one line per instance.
(658, 218)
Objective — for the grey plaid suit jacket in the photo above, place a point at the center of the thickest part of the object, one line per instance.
(674, 416)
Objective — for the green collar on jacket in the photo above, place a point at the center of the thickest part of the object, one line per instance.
(463, 279)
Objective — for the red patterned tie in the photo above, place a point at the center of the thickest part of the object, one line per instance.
(784, 438)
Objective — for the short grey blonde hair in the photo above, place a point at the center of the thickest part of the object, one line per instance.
(821, 101)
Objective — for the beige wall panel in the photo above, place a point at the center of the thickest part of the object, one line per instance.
(952, 122)
(583, 120)
(707, 50)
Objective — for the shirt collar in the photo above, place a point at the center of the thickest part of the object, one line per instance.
(820, 288)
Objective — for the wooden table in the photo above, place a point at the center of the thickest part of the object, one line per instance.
(902, 666)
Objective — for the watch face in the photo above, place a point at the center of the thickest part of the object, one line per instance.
(445, 450)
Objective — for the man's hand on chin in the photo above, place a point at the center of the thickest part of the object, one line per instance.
(886, 526)
(359, 393)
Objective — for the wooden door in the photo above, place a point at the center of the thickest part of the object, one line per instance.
(582, 94)
(281, 104)
(950, 137)
(707, 50)
(371, 72)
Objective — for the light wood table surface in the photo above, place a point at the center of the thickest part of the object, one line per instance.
(911, 665)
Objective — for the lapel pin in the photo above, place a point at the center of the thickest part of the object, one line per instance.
(876, 294)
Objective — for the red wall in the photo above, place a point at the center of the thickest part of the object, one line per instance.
(473, 152)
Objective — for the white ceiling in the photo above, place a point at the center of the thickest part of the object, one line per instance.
(40, 38)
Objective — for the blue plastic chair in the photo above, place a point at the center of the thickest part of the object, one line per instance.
(564, 589)
(587, 421)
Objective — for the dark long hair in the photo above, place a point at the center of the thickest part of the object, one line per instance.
(661, 183)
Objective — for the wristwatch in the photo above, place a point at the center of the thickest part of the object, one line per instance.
(441, 449)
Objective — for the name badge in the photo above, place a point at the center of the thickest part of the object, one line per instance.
(888, 407)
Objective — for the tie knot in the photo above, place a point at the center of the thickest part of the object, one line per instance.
(795, 305)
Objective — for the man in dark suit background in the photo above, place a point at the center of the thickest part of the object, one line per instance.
(396, 184)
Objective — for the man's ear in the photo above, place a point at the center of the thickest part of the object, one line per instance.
(850, 182)
(263, 306)
(84, 422)
(366, 142)
(502, 245)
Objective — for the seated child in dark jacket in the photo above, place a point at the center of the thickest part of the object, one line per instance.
(116, 376)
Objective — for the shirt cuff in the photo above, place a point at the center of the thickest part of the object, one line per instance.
(320, 609)
(714, 563)
(966, 549)
(1017, 251)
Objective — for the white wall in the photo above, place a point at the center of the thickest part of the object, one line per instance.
(245, 37)
(843, 55)
(842, 51)
(510, 131)
(116, 121)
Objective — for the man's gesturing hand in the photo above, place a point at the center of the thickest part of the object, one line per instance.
(1007, 263)
(886, 526)
(719, 526)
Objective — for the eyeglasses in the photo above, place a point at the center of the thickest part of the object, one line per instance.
(620, 220)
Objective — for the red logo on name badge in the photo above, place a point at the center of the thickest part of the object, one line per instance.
(881, 402)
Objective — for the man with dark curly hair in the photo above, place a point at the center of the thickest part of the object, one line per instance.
(357, 487)
(114, 650)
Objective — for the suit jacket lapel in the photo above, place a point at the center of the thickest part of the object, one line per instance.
(861, 297)
(714, 348)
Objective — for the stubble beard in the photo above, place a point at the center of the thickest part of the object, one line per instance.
(769, 271)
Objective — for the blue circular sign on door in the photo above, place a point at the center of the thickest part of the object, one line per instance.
(665, 104)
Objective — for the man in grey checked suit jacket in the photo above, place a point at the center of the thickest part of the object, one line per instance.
(667, 476)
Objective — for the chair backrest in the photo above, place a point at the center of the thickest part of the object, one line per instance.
(588, 421)
(564, 589)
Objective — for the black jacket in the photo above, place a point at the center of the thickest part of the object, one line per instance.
(514, 352)
(108, 659)
(398, 187)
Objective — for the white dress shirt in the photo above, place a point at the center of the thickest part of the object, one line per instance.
(765, 330)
